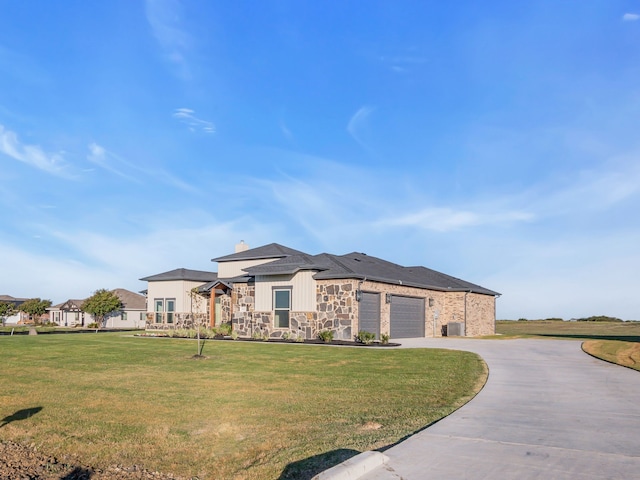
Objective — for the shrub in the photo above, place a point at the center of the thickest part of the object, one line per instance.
(384, 338)
(225, 329)
(256, 335)
(234, 335)
(365, 337)
(93, 325)
(522, 319)
(265, 335)
(326, 336)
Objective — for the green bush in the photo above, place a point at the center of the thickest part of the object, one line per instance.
(384, 338)
(326, 336)
(365, 337)
(256, 335)
(93, 325)
(224, 329)
(234, 335)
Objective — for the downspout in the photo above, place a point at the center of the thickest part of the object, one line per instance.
(465, 312)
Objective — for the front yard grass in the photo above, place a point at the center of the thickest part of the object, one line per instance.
(249, 411)
(622, 353)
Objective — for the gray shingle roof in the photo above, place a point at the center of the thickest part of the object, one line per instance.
(272, 250)
(182, 274)
(359, 265)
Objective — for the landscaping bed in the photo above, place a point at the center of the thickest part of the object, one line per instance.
(345, 343)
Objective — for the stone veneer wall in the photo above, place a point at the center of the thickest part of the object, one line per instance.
(337, 310)
(180, 320)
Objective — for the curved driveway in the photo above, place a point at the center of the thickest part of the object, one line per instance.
(548, 411)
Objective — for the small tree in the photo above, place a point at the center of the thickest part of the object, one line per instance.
(6, 310)
(196, 301)
(35, 308)
(100, 304)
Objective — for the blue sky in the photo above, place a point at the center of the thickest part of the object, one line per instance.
(494, 141)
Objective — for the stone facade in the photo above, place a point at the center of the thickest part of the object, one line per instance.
(337, 310)
(180, 320)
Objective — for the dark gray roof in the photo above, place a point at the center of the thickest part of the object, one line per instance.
(273, 250)
(182, 274)
(287, 265)
(359, 265)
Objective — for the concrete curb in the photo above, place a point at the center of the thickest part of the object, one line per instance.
(355, 467)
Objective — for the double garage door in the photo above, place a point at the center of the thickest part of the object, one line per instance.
(407, 315)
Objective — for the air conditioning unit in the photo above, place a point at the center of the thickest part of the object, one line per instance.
(455, 329)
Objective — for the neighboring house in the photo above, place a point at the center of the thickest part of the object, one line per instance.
(132, 314)
(18, 317)
(173, 300)
(69, 314)
(276, 290)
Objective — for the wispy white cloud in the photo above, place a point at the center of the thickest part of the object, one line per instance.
(188, 117)
(107, 160)
(33, 155)
(285, 131)
(117, 165)
(630, 17)
(165, 19)
(358, 126)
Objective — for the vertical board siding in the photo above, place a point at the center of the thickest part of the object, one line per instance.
(303, 291)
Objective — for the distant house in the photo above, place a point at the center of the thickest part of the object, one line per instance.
(18, 317)
(173, 299)
(132, 314)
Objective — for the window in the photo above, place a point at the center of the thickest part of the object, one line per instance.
(159, 309)
(171, 307)
(281, 308)
(124, 316)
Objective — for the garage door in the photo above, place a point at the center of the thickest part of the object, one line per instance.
(369, 313)
(407, 317)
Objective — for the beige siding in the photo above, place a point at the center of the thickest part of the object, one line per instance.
(235, 268)
(303, 291)
(178, 289)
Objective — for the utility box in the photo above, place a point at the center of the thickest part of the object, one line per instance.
(455, 329)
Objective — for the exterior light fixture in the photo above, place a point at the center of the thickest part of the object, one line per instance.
(387, 297)
(358, 295)
(431, 302)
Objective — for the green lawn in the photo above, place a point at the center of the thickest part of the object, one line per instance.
(622, 331)
(251, 410)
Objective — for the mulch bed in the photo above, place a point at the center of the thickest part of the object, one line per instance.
(345, 343)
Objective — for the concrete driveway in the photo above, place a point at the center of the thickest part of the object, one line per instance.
(548, 411)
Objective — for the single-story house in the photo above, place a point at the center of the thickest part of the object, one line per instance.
(173, 299)
(131, 315)
(18, 317)
(276, 291)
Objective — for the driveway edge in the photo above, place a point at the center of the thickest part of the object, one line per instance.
(355, 467)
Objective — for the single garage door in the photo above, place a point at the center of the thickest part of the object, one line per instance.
(407, 317)
(369, 313)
